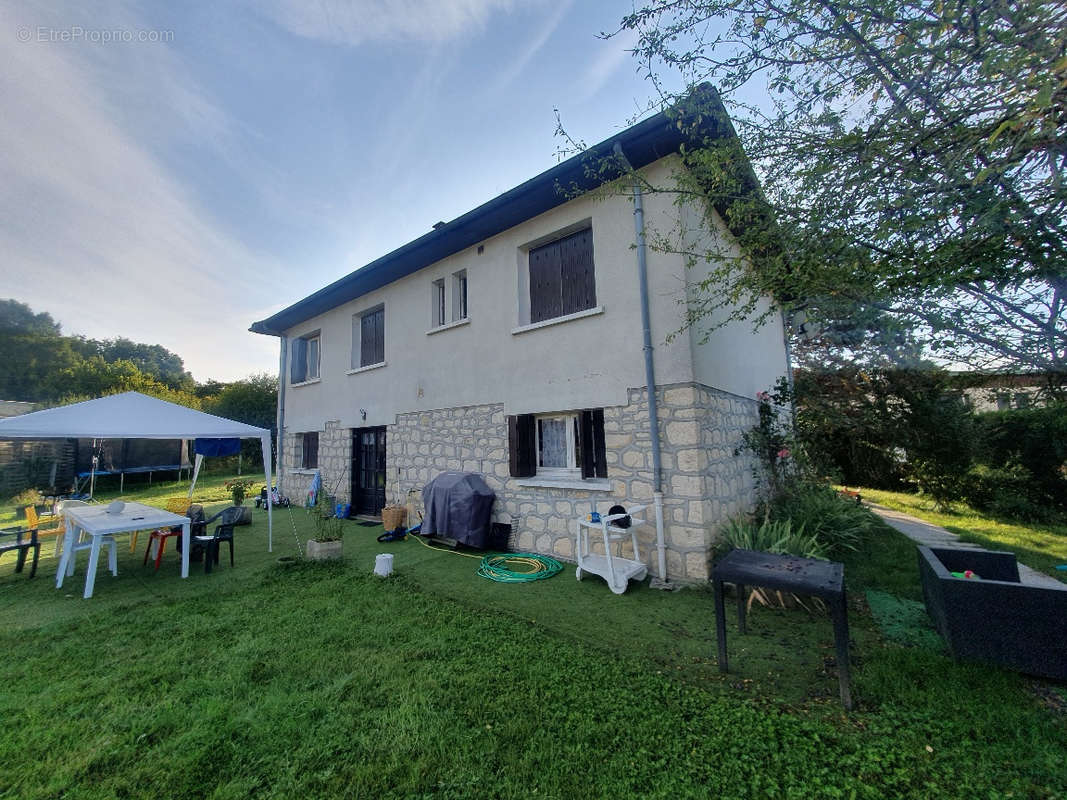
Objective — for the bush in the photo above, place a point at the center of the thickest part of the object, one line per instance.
(770, 536)
(835, 523)
(1034, 439)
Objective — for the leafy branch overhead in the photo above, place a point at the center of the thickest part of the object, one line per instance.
(909, 151)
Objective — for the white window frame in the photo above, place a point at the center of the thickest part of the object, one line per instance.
(437, 303)
(573, 469)
(460, 298)
(311, 370)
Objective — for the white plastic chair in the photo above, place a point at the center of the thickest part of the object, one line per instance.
(58, 512)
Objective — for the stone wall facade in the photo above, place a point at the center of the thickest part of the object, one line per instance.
(335, 461)
(704, 483)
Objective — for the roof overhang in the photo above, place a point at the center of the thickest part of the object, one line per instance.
(643, 143)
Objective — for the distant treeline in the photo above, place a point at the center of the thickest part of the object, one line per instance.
(43, 366)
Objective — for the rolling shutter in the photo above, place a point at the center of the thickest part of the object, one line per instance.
(522, 446)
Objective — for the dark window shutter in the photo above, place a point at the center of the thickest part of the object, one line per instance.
(522, 444)
(585, 443)
(546, 290)
(591, 436)
(599, 449)
(298, 366)
(576, 270)
(372, 338)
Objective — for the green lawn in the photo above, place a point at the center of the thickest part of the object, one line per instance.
(326, 681)
(1039, 545)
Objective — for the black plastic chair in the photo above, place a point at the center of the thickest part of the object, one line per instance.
(23, 546)
(213, 544)
(227, 518)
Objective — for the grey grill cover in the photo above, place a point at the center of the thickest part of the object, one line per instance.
(459, 506)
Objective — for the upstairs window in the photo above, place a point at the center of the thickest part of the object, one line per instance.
(459, 295)
(562, 280)
(309, 452)
(437, 301)
(305, 355)
(368, 338)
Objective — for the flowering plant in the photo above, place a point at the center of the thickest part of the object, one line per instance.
(238, 489)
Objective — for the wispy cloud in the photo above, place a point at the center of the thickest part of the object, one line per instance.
(611, 55)
(93, 226)
(533, 47)
(353, 22)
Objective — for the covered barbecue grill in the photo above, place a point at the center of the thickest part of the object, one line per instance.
(459, 505)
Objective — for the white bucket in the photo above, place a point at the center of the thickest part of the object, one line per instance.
(383, 564)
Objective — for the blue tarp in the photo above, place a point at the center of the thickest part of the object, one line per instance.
(218, 447)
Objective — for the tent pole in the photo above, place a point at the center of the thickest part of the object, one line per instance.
(264, 442)
(196, 473)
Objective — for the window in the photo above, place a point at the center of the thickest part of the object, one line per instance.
(309, 453)
(561, 277)
(305, 355)
(437, 298)
(368, 338)
(557, 445)
(557, 455)
(459, 295)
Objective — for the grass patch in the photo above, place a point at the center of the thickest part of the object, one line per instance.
(1039, 545)
(325, 681)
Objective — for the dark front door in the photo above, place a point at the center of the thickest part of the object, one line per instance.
(368, 470)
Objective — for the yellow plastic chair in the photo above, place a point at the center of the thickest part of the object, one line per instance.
(32, 521)
(175, 505)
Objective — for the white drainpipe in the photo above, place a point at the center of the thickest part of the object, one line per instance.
(661, 581)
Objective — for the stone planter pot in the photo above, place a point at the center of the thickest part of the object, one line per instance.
(323, 551)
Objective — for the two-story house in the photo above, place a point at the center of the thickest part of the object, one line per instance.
(510, 342)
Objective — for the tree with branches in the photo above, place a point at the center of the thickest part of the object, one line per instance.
(912, 154)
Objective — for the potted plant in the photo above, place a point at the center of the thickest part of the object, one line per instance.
(328, 529)
(238, 489)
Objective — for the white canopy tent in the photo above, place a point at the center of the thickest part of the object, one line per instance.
(132, 415)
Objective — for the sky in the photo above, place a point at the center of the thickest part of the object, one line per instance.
(173, 172)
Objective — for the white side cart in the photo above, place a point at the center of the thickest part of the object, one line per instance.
(617, 571)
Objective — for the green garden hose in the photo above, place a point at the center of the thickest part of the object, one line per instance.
(530, 567)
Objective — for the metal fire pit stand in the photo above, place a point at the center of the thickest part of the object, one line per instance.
(806, 576)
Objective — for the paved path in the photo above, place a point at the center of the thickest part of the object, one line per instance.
(933, 536)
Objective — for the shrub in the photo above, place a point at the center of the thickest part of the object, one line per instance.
(1020, 507)
(835, 523)
(1034, 439)
(770, 536)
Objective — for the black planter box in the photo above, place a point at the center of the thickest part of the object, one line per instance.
(994, 618)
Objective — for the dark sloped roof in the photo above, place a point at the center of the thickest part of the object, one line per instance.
(643, 143)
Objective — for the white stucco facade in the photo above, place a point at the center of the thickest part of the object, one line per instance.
(495, 356)
(494, 363)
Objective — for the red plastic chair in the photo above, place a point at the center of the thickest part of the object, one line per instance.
(160, 536)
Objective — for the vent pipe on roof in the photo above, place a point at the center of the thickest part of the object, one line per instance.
(660, 581)
(437, 225)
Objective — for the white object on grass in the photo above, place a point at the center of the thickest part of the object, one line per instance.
(383, 564)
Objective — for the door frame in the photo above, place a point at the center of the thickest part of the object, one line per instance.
(358, 491)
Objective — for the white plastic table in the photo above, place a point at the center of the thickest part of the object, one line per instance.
(95, 521)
